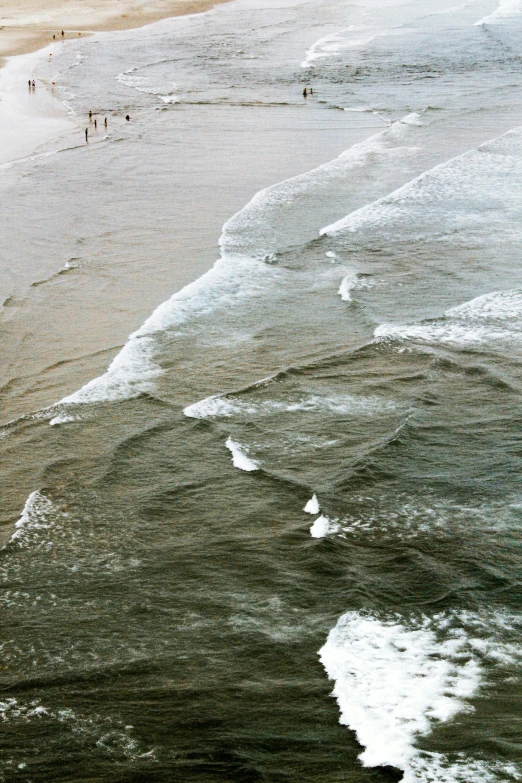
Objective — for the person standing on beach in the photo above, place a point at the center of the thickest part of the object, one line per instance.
(95, 123)
(63, 33)
(33, 85)
(105, 123)
(86, 134)
(127, 118)
(90, 116)
(29, 83)
(304, 93)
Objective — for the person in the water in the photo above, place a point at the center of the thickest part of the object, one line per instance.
(304, 93)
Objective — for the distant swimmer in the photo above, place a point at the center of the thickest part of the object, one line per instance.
(304, 93)
(105, 123)
(86, 134)
(127, 118)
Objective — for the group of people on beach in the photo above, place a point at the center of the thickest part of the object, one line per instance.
(94, 120)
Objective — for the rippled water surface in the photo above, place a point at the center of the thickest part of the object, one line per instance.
(300, 477)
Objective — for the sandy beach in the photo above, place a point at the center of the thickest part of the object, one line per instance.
(32, 118)
(27, 25)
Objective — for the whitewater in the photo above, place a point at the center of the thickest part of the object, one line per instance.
(298, 479)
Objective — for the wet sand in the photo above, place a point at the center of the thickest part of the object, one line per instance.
(28, 25)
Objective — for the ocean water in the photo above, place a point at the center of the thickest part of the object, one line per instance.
(276, 535)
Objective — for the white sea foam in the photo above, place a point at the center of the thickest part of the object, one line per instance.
(347, 285)
(312, 507)
(217, 406)
(239, 456)
(396, 678)
(268, 203)
(36, 516)
(323, 526)
(133, 371)
(494, 317)
(106, 733)
(235, 275)
(443, 194)
(63, 418)
(330, 45)
(505, 10)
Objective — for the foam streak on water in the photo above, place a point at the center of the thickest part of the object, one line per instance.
(504, 10)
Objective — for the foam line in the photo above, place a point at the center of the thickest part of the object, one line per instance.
(239, 456)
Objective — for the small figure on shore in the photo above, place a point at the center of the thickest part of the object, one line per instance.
(29, 83)
(86, 134)
(54, 37)
(33, 85)
(90, 116)
(127, 118)
(105, 122)
(63, 33)
(311, 90)
(95, 123)
(304, 93)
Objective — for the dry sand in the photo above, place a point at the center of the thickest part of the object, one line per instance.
(28, 25)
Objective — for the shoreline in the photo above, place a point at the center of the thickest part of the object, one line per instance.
(30, 26)
(31, 119)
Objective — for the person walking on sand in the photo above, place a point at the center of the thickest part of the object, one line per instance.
(33, 85)
(86, 134)
(29, 83)
(95, 123)
(105, 122)
(90, 116)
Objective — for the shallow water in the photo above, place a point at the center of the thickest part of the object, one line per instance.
(300, 475)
